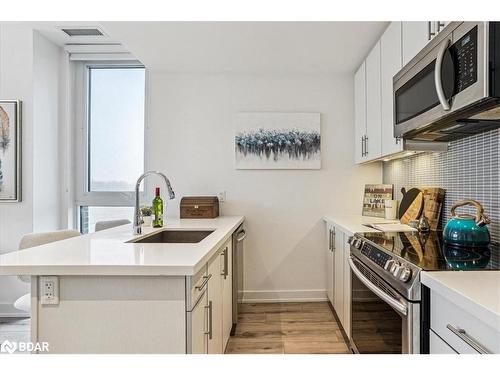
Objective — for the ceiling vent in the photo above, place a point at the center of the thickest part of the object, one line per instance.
(82, 31)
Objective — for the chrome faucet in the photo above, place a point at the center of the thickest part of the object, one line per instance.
(137, 216)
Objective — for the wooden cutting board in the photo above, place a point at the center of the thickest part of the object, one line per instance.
(411, 205)
(433, 203)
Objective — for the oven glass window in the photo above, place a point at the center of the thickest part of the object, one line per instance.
(375, 327)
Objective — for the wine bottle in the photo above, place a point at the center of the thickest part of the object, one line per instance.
(157, 210)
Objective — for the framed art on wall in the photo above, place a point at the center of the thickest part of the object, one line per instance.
(271, 140)
(10, 151)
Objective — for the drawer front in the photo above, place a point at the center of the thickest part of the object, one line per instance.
(461, 330)
(196, 286)
(438, 346)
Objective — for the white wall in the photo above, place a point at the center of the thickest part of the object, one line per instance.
(46, 176)
(20, 50)
(191, 135)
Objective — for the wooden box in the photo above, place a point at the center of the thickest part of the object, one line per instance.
(199, 207)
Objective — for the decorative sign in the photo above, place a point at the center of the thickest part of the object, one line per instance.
(374, 199)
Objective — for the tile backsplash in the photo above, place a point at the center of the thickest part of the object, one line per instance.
(470, 169)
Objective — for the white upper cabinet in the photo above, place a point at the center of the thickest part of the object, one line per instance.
(360, 113)
(390, 64)
(416, 34)
(373, 142)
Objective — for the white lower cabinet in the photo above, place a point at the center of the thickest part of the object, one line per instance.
(438, 346)
(210, 319)
(338, 277)
(227, 294)
(330, 232)
(460, 330)
(215, 305)
(199, 323)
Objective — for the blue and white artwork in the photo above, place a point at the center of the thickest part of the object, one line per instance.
(9, 151)
(266, 140)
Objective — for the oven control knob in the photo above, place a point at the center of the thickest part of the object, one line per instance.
(358, 244)
(394, 267)
(405, 274)
(397, 271)
(389, 264)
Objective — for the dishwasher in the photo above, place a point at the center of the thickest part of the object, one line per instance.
(237, 268)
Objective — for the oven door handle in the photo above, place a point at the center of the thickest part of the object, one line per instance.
(395, 304)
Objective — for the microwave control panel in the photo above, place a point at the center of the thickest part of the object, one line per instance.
(464, 53)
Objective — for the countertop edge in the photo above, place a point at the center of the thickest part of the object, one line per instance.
(123, 269)
(485, 314)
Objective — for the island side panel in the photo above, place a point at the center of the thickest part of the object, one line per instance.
(115, 314)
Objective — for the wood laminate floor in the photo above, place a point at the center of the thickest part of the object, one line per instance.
(287, 328)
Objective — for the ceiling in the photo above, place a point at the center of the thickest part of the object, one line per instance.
(234, 47)
(248, 47)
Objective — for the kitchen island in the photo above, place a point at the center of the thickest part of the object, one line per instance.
(115, 295)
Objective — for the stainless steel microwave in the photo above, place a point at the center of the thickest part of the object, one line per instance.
(450, 89)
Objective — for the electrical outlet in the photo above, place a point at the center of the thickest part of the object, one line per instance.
(49, 290)
(222, 196)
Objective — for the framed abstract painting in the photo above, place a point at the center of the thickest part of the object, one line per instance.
(10, 151)
(272, 140)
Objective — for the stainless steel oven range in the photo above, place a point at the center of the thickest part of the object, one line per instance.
(389, 306)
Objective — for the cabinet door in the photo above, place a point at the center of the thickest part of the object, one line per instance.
(415, 36)
(338, 295)
(329, 262)
(373, 143)
(199, 326)
(347, 288)
(227, 293)
(390, 64)
(438, 346)
(359, 113)
(215, 305)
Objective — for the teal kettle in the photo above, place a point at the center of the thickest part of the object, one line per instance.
(467, 230)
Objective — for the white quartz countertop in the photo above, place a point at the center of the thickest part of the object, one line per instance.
(477, 292)
(109, 253)
(351, 224)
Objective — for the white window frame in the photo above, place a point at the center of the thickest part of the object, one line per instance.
(83, 197)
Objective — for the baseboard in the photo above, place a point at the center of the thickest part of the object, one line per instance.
(9, 311)
(254, 296)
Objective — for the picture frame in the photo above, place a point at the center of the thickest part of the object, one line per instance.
(10, 151)
(278, 140)
(374, 199)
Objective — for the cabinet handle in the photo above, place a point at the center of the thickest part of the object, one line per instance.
(333, 239)
(209, 333)
(468, 340)
(224, 272)
(362, 146)
(204, 283)
(440, 26)
(366, 145)
(330, 239)
(430, 33)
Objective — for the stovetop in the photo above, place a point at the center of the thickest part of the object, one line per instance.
(429, 252)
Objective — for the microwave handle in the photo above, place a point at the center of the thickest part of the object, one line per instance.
(437, 75)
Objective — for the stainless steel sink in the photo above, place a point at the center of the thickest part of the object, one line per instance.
(176, 236)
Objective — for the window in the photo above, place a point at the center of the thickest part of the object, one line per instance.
(110, 155)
